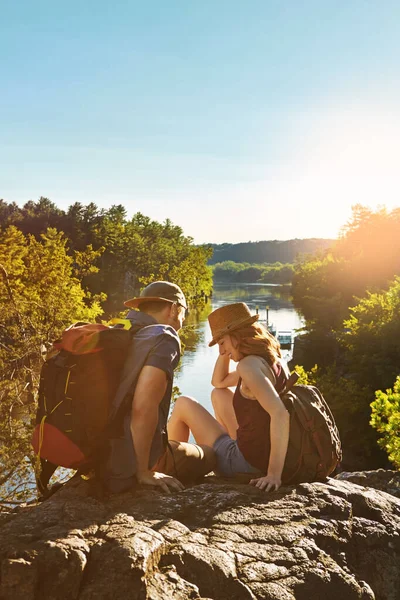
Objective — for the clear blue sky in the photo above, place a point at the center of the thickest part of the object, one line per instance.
(237, 120)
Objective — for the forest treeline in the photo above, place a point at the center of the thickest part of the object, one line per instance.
(119, 255)
(58, 267)
(349, 296)
(233, 272)
(267, 252)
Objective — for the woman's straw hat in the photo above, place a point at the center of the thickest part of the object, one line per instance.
(229, 318)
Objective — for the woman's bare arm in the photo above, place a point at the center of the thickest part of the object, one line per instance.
(253, 373)
(222, 377)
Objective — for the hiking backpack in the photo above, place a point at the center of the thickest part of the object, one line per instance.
(77, 385)
(314, 449)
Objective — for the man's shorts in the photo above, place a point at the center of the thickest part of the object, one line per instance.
(187, 462)
(230, 460)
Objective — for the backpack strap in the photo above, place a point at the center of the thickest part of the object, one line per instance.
(46, 471)
(292, 380)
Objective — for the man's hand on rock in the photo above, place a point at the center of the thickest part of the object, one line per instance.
(269, 483)
(165, 482)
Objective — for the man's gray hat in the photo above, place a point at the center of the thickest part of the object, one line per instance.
(159, 291)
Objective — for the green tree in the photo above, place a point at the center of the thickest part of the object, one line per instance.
(10, 214)
(348, 401)
(227, 271)
(130, 251)
(142, 250)
(40, 296)
(367, 358)
(277, 273)
(232, 272)
(366, 257)
(385, 419)
(38, 216)
(193, 275)
(372, 338)
(350, 298)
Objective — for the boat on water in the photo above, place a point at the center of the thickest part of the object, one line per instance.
(285, 339)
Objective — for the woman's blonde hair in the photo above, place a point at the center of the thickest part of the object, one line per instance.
(256, 339)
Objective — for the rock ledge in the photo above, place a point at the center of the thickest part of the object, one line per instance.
(213, 541)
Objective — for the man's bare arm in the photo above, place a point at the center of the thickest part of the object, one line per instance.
(149, 392)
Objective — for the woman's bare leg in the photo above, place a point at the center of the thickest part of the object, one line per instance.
(188, 415)
(222, 401)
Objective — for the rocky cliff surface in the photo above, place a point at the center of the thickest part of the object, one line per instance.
(217, 541)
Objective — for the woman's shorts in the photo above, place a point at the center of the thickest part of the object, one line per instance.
(230, 460)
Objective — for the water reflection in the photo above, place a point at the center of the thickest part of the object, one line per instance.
(194, 373)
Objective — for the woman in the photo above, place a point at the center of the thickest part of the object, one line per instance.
(251, 431)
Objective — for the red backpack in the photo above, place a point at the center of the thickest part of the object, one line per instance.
(77, 385)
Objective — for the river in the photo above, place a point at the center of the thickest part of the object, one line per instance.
(193, 376)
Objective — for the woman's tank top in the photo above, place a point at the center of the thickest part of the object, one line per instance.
(253, 433)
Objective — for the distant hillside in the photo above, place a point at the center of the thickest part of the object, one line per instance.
(267, 251)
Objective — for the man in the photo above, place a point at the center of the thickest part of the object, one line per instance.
(140, 450)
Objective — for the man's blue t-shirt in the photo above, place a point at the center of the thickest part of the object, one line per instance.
(153, 345)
